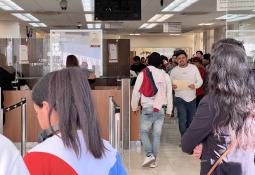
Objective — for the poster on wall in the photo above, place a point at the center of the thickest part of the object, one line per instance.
(113, 53)
(23, 54)
(95, 39)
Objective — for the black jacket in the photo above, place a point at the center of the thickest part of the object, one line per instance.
(237, 162)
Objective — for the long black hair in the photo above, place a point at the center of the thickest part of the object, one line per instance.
(68, 93)
(232, 86)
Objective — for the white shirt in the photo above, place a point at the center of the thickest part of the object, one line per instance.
(189, 74)
(11, 162)
(147, 102)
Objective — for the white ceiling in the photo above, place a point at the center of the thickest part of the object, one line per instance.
(49, 12)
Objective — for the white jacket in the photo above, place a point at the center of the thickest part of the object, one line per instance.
(148, 102)
(11, 162)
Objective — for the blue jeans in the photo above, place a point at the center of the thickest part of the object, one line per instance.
(154, 120)
(185, 112)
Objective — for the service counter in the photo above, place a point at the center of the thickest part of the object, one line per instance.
(12, 125)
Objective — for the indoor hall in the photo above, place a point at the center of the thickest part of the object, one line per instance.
(111, 43)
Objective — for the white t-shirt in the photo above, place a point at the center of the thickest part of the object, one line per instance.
(11, 162)
(189, 74)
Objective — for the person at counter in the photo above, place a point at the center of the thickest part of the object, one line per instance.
(64, 106)
(72, 61)
(7, 75)
(153, 87)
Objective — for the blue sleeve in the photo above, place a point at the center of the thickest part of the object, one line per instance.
(118, 168)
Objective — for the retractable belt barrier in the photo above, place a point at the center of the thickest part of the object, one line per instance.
(22, 104)
(12, 107)
(114, 124)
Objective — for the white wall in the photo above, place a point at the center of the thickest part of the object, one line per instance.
(9, 29)
(161, 41)
(158, 41)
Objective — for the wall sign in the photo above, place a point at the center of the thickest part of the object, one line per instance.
(113, 53)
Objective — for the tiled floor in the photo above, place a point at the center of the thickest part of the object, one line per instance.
(171, 160)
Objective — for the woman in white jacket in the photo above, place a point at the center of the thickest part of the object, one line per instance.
(11, 162)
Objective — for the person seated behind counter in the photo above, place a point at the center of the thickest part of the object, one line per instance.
(64, 102)
(72, 61)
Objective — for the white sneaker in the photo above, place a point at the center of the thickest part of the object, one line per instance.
(154, 164)
(148, 160)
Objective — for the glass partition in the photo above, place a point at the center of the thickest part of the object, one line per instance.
(240, 23)
(85, 44)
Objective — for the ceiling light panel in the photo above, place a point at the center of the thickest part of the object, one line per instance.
(21, 16)
(174, 34)
(155, 17)
(98, 26)
(88, 5)
(160, 17)
(31, 17)
(9, 5)
(34, 24)
(89, 17)
(38, 24)
(144, 26)
(90, 26)
(164, 17)
(179, 5)
(151, 25)
(25, 17)
(42, 25)
(205, 24)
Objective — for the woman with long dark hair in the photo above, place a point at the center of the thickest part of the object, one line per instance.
(72, 144)
(223, 129)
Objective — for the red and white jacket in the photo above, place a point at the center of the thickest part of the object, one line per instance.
(51, 157)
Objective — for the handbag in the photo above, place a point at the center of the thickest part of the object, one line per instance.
(216, 164)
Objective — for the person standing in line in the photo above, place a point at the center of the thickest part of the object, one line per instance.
(11, 162)
(200, 92)
(73, 144)
(153, 87)
(224, 124)
(137, 67)
(185, 97)
(199, 54)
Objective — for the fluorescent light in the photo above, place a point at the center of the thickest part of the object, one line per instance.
(174, 34)
(38, 24)
(9, 5)
(134, 34)
(34, 24)
(90, 26)
(160, 17)
(148, 25)
(88, 5)
(89, 17)
(178, 5)
(31, 17)
(21, 16)
(98, 26)
(155, 17)
(151, 25)
(144, 26)
(25, 16)
(205, 24)
(164, 17)
(42, 25)
(235, 17)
